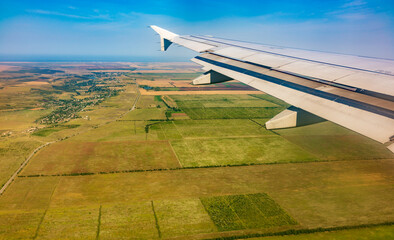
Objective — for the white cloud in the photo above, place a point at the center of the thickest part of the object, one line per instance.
(355, 3)
(67, 15)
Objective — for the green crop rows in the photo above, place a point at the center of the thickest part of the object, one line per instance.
(229, 106)
(237, 212)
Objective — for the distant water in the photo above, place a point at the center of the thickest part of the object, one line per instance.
(73, 58)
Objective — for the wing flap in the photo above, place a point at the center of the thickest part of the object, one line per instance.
(315, 70)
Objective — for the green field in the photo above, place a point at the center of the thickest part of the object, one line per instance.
(328, 141)
(212, 128)
(227, 106)
(125, 221)
(230, 112)
(49, 130)
(237, 212)
(117, 131)
(145, 114)
(182, 217)
(238, 151)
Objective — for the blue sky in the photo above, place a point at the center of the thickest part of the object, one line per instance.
(119, 27)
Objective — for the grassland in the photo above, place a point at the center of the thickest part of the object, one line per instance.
(145, 114)
(12, 154)
(182, 217)
(62, 224)
(211, 128)
(127, 221)
(27, 97)
(20, 120)
(81, 157)
(117, 173)
(315, 195)
(328, 141)
(238, 151)
(49, 130)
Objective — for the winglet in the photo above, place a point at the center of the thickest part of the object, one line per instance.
(166, 37)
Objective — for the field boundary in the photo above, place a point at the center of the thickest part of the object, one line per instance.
(193, 167)
(13, 176)
(156, 220)
(176, 155)
(45, 212)
(261, 125)
(98, 224)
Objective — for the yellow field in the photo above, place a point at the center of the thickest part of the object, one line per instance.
(93, 157)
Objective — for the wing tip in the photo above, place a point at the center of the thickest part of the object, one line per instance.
(163, 32)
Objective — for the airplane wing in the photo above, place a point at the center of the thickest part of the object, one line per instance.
(353, 91)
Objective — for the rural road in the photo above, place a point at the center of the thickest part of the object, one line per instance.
(12, 178)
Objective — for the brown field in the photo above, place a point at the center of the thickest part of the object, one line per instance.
(114, 71)
(161, 71)
(169, 67)
(34, 83)
(156, 83)
(7, 67)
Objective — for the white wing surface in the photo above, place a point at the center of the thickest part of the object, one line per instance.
(353, 91)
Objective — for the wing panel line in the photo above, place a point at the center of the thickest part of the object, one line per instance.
(304, 59)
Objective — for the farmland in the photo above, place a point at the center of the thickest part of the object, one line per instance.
(245, 211)
(119, 164)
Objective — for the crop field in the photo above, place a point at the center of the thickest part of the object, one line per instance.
(236, 212)
(19, 225)
(211, 128)
(117, 131)
(331, 142)
(332, 194)
(80, 157)
(49, 130)
(145, 114)
(149, 102)
(169, 75)
(238, 151)
(182, 217)
(118, 164)
(230, 113)
(61, 223)
(227, 106)
(127, 221)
